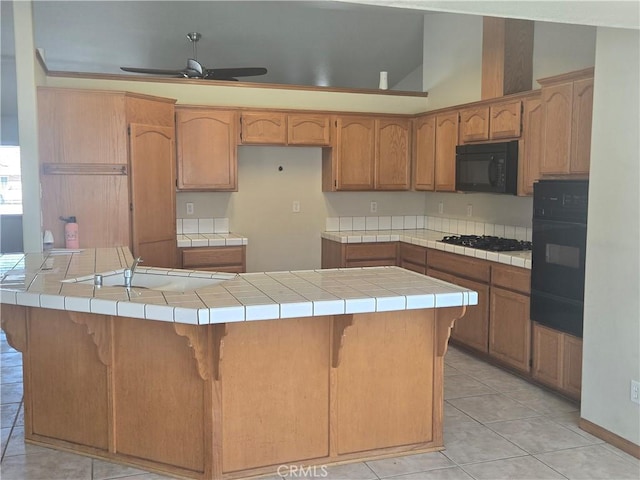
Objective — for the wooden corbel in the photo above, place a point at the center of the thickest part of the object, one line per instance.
(340, 325)
(197, 336)
(99, 327)
(14, 323)
(445, 319)
(219, 331)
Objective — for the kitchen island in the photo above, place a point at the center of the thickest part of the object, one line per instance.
(254, 372)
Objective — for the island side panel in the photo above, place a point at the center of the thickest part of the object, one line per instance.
(159, 396)
(275, 392)
(385, 381)
(68, 383)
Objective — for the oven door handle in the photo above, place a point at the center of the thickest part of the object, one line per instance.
(493, 171)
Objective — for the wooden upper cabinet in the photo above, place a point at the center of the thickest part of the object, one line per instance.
(474, 124)
(354, 152)
(581, 125)
(81, 127)
(505, 120)
(557, 102)
(531, 145)
(393, 150)
(206, 147)
(445, 156)
(568, 108)
(494, 121)
(265, 127)
(424, 152)
(308, 129)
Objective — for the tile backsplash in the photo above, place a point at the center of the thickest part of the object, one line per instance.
(185, 226)
(453, 226)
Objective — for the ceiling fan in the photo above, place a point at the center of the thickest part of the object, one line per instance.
(194, 69)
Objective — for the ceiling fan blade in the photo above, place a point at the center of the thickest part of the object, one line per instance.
(229, 73)
(153, 71)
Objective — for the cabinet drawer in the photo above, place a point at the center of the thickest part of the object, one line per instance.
(212, 256)
(383, 262)
(512, 278)
(460, 265)
(372, 251)
(413, 253)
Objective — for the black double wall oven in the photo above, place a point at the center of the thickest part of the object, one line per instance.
(558, 254)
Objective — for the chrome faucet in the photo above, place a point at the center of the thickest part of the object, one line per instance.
(128, 272)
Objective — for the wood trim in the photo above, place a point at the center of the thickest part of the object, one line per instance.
(14, 323)
(610, 437)
(197, 337)
(445, 318)
(99, 327)
(196, 81)
(567, 77)
(340, 325)
(84, 169)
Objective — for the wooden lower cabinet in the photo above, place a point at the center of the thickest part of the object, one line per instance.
(510, 328)
(413, 257)
(232, 400)
(219, 259)
(345, 255)
(557, 360)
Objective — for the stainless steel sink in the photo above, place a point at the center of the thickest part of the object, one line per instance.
(156, 281)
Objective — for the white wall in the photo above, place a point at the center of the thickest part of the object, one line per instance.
(612, 309)
(411, 83)
(452, 59)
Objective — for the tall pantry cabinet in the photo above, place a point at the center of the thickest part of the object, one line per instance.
(108, 159)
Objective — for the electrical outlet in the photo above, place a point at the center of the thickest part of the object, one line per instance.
(635, 391)
(469, 210)
(296, 206)
(374, 207)
(189, 208)
(441, 208)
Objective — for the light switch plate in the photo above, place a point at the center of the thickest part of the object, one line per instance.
(190, 208)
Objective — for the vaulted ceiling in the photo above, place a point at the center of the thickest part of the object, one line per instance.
(300, 42)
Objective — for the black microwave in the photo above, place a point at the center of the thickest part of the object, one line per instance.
(487, 167)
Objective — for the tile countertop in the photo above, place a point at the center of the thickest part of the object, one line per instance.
(210, 240)
(429, 239)
(35, 280)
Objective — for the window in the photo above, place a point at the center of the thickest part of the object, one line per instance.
(10, 181)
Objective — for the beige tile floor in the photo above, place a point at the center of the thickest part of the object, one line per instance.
(497, 426)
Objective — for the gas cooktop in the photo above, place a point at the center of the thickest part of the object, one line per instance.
(487, 242)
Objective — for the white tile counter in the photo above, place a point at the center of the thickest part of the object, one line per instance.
(429, 239)
(35, 280)
(210, 240)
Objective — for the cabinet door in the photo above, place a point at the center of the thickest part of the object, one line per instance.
(572, 365)
(558, 108)
(424, 152)
(393, 150)
(547, 355)
(206, 149)
(446, 142)
(474, 124)
(581, 125)
(531, 146)
(505, 120)
(510, 328)
(472, 329)
(153, 211)
(355, 145)
(215, 258)
(264, 128)
(308, 129)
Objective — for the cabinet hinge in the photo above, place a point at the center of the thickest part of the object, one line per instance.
(531, 362)
(129, 130)
(131, 207)
(335, 183)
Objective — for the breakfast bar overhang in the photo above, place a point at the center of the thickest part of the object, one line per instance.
(232, 397)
